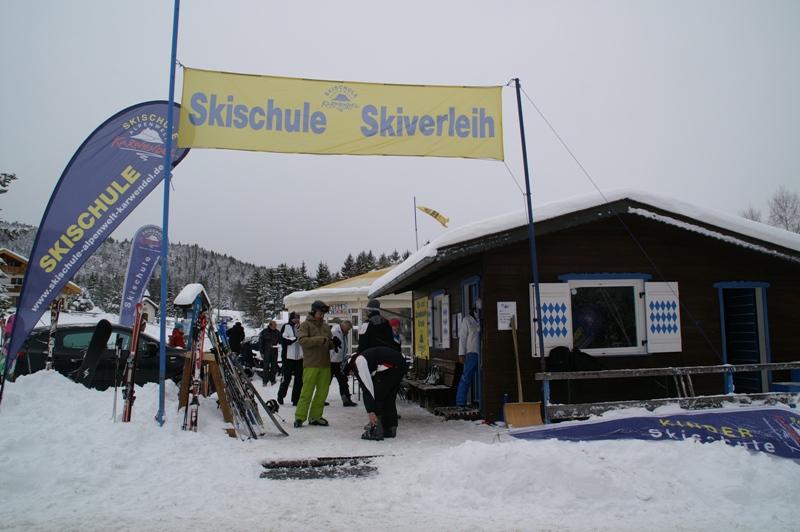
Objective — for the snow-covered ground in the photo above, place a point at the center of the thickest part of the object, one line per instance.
(67, 465)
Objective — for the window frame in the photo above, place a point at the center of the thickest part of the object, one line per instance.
(657, 308)
(637, 285)
(439, 320)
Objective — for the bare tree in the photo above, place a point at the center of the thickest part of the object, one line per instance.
(751, 213)
(784, 210)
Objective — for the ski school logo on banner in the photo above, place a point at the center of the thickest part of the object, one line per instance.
(144, 135)
(144, 257)
(289, 115)
(114, 169)
(341, 98)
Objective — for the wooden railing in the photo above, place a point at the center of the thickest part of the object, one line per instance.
(682, 375)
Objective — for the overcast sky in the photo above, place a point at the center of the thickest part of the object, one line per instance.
(692, 99)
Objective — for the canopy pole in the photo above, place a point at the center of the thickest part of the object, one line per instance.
(162, 368)
(537, 300)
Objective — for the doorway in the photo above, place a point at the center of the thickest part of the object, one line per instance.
(745, 333)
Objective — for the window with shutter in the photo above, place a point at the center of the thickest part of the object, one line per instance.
(609, 314)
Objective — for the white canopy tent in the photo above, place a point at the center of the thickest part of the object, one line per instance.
(348, 299)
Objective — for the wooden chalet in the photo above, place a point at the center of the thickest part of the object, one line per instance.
(639, 282)
(14, 266)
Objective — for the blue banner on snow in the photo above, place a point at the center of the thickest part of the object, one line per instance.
(770, 430)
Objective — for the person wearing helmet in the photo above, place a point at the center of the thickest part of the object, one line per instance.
(375, 331)
(176, 338)
(315, 336)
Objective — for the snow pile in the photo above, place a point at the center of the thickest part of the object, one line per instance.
(68, 466)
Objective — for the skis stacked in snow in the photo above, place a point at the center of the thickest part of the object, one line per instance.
(237, 397)
(197, 339)
(247, 420)
(128, 385)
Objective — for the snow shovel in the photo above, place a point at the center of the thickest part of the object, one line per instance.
(521, 414)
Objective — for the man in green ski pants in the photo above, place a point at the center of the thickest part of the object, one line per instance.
(316, 339)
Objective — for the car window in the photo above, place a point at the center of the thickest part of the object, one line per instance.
(77, 340)
(112, 341)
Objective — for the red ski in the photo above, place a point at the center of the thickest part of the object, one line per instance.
(130, 369)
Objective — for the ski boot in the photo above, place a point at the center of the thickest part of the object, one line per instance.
(374, 433)
(346, 401)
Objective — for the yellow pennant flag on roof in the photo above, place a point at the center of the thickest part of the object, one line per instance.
(439, 218)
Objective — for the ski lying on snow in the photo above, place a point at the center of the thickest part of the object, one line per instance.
(324, 467)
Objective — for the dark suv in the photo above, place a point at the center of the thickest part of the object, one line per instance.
(72, 340)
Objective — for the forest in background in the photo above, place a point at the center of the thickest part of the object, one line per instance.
(257, 291)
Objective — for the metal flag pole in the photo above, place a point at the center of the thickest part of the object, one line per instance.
(162, 368)
(416, 233)
(537, 299)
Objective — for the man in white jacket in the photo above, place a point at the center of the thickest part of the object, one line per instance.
(468, 348)
(339, 353)
(292, 360)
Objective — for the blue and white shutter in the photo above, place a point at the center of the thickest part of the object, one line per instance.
(556, 305)
(430, 322)
(445, 315)
(663, 317)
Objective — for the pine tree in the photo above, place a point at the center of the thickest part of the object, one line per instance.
(349, 268)
(365, 262)
(383, 261)
(323, 276)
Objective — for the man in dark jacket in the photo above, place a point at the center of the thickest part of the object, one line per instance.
(379, 371)
(376, 330)
(236, 337)
(268, 343)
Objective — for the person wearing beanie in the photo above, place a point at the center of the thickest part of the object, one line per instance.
(176, 338)
(292, 356)
(314, 335)
(379, 371)
(236, 337)
(375, 331)
(396, 334)
(269, 340)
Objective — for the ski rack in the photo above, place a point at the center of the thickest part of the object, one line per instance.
(236, 396)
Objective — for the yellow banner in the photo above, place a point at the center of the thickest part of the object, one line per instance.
(292, 115)
(421, 328)
(436, 215)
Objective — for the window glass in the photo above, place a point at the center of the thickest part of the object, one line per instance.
(608, 316)
(604, 317)
(78, 340)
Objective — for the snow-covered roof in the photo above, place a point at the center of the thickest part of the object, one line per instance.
(189, 293)
(353, 291)
(730, 224)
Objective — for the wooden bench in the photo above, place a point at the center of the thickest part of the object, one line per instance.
(792, 386)
(429, 396)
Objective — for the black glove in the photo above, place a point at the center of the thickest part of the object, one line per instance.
(336, 343)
